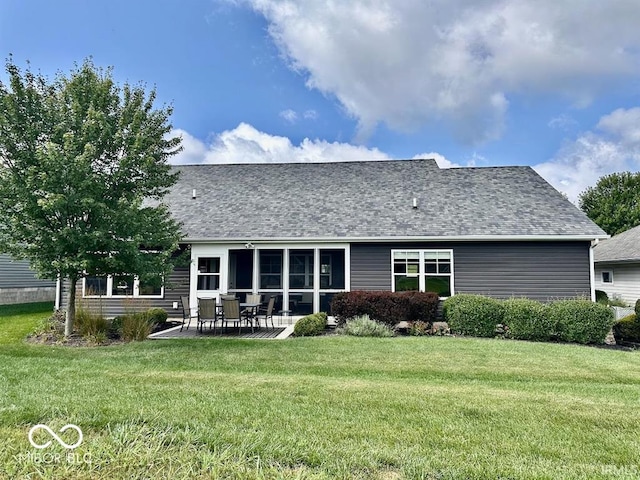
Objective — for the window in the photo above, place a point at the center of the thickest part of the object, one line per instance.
(423, 270)
(122, 286)
(270, 269)
(95, 286)
(301, 269)
(151, 287)
(607, 277)
(209, 273)
(332, 269)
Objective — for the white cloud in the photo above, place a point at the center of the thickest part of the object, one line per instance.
(440, 159)
(562, 122)
(245, 144)
(623, 125)
(613, 146)
(289, 115)
(454, 61)
(310, 115)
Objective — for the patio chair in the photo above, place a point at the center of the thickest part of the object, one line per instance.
(252, 311)
(227, 296)
(186, 311)
(254, 298)
(266, 313)
(207, 313)
(231, 313)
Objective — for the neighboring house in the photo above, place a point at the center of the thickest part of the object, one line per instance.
(617, 265)
(305, 231)
(18, 283)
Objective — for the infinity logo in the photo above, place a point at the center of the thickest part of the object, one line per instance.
(55, 437)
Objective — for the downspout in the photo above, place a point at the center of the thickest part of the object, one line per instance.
(592, 270)
(56, 303)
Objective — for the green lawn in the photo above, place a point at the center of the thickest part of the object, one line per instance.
(329, 407)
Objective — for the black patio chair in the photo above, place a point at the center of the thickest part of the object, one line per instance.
(186, 312)
(207, 313)
(266, 313)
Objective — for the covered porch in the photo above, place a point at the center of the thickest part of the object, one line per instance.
(303, 278)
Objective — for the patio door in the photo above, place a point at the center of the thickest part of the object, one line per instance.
(209, 272)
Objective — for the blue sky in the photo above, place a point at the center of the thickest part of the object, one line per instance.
(552, 84)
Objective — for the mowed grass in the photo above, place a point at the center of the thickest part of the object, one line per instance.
(328, 407)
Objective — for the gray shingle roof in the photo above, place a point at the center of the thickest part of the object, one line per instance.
(622, 247)
(349, 200)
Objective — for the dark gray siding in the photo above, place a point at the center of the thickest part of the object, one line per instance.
(17, 274)
(177, 285)
(541, 270)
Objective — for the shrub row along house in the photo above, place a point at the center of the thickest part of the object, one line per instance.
(304, 231)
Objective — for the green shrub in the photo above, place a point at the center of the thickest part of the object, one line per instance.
(473, 315)
(136, 326)
(627, 329)
(89, 323)
(617, 301)
(157, 316)
(637, 308)
(310, 325)
(419, 328)
(581, 321)
(528, 320)
(363, 326)
(602, 297)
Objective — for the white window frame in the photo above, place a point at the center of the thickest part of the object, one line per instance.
(610, 272)
(109, 294)
(209, 274)
(422, 274)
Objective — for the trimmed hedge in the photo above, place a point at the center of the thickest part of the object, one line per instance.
(473, 315)
(627, 329)
(528, 320)
(581, 321)
(386, 307)
(310, 325)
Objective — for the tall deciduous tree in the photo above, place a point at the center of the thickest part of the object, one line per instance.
(83, 169)
(614, 202)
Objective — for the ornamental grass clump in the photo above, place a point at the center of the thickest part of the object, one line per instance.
(363, 326)
(136, 326)
(90, 324)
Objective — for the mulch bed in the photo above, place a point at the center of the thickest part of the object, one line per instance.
(75, 340)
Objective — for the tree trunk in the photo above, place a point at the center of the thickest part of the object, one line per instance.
(71, 308)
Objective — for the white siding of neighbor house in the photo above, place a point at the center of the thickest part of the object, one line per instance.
(626, 281)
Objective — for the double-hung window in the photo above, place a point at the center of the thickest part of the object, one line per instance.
(423, 270)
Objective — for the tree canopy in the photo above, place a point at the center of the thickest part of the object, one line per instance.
(614, 202)
(83, 169)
